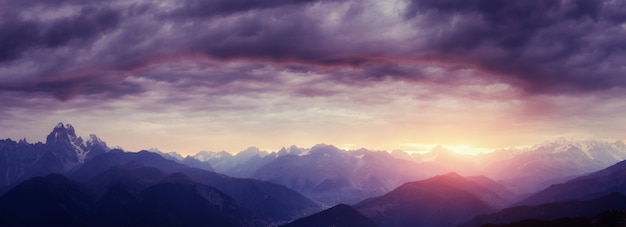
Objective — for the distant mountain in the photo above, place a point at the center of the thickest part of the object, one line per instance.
(526, 170)
(445, 158)
(331, 175)
(443, 200)
(551, 211)
(173, 201)
(323, 172)
(244, 163)
(600, 183)
(521, 171)
(62, 151)
(338, 216)
(192, 162)
(272, 201)
(552, 162)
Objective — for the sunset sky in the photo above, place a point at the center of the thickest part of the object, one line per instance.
(216, 75)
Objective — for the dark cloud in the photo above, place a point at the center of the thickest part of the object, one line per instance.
(94, 84)
(208, 74)
(198, 8)
(18, 35)
(15, 37)
(88, 23)
(543, 46)
(274, 36)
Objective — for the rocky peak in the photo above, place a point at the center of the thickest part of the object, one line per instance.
(61, 134)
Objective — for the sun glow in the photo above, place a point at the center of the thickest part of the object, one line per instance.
(461, 149)
(465, 149)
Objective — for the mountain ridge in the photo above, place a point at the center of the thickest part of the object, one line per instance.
(443, 200)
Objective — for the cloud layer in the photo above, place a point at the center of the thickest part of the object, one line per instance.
(293, 65)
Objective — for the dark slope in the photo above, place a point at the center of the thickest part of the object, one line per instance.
(132, 176)
(265, 199)
(45, 201)
(174, 201)
(551, 211)
(505, 192)
(140, 196)
(338, 216)
(443, 200)
(605, 219)
(178, 201)
(192, 162)
(603, 182)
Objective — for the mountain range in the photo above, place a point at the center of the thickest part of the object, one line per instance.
(331, 175)
(91, 171)
(62, 152)
(551, 162)
(444, 200)
(72, 181)
(454, 200)
(173, 200)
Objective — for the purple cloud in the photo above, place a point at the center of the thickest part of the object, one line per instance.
(541, 46)
(87, 48)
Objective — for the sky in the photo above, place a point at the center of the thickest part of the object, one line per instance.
(215, 75)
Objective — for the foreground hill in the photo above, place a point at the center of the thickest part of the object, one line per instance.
(444, 200)
(174, 201)
(600, 183)
(338, 216)
(605, 219)
(552, 211)
(273, 201)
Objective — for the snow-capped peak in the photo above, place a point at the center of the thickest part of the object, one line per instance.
(209, 155)
(593, 149)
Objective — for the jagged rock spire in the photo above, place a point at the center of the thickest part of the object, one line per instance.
(61, 134)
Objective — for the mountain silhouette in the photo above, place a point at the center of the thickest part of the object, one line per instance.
(597, 184)
(173, 201)
(340, 215)
(272, 201)
(444, 200)
(552, 211)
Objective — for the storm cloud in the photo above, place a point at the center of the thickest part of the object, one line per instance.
(236, 55)
(538, 46)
